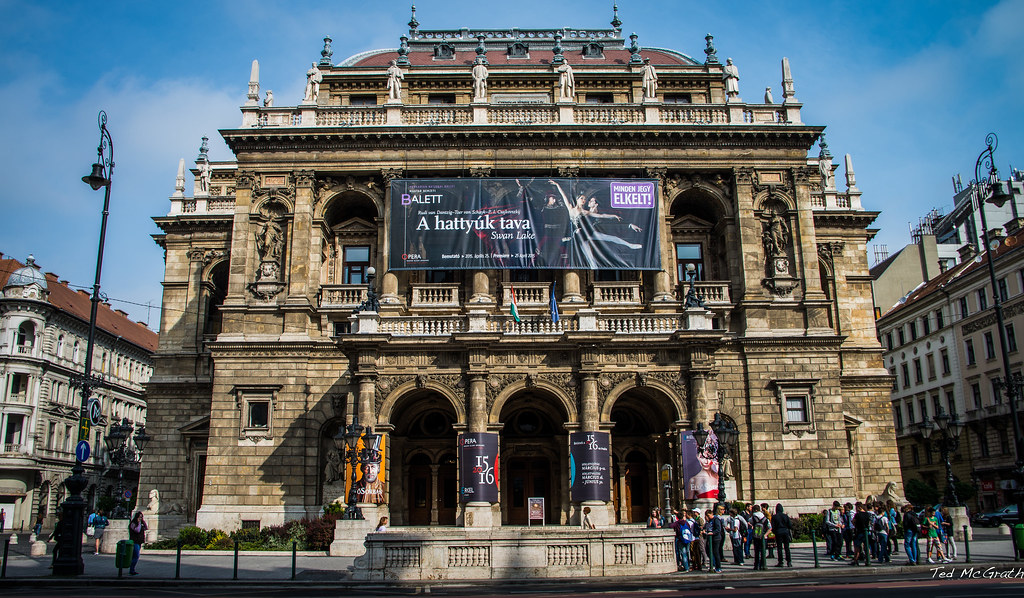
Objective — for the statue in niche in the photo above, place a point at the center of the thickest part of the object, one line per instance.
(775, 235)
(270, 242)
(395, 78)
(313, 79)
(335, 468)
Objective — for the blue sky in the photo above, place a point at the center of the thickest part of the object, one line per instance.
(910, 89)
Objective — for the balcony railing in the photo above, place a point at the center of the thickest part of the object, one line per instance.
(617, 293)
(715, 293)
(17, 397)
(15, 448)
(435, 295)
(528, 294)
(342, 296)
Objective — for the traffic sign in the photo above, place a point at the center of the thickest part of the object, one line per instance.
(82, 451)
(83, 428)
(95, 413)
(127, 494)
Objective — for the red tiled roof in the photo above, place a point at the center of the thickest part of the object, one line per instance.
(539, 57)
(80, 304)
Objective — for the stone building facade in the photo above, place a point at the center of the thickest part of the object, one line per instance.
(44, 327)
(262, 363)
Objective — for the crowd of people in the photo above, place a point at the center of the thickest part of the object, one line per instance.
(853, 533)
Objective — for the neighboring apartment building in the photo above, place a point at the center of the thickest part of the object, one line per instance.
(942, 346)
(262, 363)
(44, 326)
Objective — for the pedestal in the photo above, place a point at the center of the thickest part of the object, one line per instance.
(697, 318)
(480, 514)
(37, 548)
(960, 519)
(116, 530)
(602, 514)
(349, 535)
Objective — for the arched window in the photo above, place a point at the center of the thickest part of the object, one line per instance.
(74, 355)
(60, 347)
(24, 339)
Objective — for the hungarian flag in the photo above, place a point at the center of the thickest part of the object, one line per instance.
(514, 308)
(554, 304)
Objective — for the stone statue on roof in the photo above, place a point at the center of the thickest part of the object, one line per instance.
(479, 82)
(395, 78)
(269, 101)
(650, 80)
(566, 83)
(732, 80)
(313, 79)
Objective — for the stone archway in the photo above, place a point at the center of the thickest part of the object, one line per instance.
(534, 456)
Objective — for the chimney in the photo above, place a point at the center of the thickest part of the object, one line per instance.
(967, 252)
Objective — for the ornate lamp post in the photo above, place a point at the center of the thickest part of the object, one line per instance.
(372, 302)
(352, 433)
(991, 189)
(666, 483)
(122, 454)
(69, 558)
(949, 442)
(726, 432)
(692, 300)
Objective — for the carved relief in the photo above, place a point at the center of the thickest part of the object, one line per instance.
(714, 182)
(829, 251)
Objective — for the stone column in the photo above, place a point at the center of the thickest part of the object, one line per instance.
(698, 390)
(239, 271)
(303, 248)
(571, 287)
(590, 418)
(477, 403)
(433, 493)
(663, 279)
(481, 288)
(367, 391)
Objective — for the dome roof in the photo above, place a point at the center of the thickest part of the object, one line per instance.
(30, 274)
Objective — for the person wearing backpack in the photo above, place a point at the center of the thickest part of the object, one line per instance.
(834, 526)
(99, 522)
(737, 528)
(894, 521)
(848, 529)
(760, 527)
(698, 553)
(684, 536)
(882, 527)
(911, 528)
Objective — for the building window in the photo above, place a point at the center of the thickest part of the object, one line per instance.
(888, 341)
(902, 336)
(677, 98)
(1003, 289)
(796, 402)
(915, 458)
(990, 346)
(1004, 442)
(930, 362)
(355, 261)
(599, 98)
(983, 444)
(944, 358)
(927, 452)
(939, 322)
(1011, 338)
(895, 379)
(964, 312)
(950, 403)
(910, 411)
(969, 347)
(897, 414)
(689, 253)
(982, 300)
(918, 378)
(441, 98)
(906, 375)
(976, 395)
(923, 405)
(363, 100)
(926, 325)
(997, 396)
(936, 403)
(256, 411)
(913, 331)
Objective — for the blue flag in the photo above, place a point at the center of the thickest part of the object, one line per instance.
(554, 304)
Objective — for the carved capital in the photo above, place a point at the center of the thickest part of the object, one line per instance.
(744, 176)
(657, 173)
(304, 179)
(480, 171)
(568, 171)
(389, 174)
(245, 179)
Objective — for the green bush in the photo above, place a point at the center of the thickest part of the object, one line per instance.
(803, 525)
(920, 493)
(193, 538)
(308, 534)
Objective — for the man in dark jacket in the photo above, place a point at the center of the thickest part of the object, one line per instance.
(911, 528)
(717, 539)
(861, 522)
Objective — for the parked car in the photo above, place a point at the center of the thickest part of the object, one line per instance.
(1007, 514)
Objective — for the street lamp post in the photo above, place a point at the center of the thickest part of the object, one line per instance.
(996, 191)
(352, 433)
(123, 454)
(726, 432)
(666, 483)
(949, 442)
(69, 558)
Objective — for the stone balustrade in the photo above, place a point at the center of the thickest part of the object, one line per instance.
(435, 295)
(342, 296)
(528, 294)
(187, 206)
(617, 293)
(439, 553)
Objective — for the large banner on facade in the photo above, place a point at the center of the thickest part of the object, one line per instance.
(589, 466)
(370, 476)
(700, 466)
(494, 223)
(478, 467)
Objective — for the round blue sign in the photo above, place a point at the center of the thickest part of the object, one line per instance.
(82, 451)
(127, 494)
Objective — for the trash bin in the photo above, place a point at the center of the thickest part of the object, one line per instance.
(123, 555)
(1018, 536)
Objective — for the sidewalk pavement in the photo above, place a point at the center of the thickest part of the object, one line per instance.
(988, 549)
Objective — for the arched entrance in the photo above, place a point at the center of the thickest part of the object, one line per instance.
(643, 439)
(424, 478)
(533, 449)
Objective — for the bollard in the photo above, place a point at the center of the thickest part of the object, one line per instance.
(177, 562)
(3, 568)
(867, 548)
(1013, 540)
(967, 546)
(814, 547)
(294, 549)
(236, 560)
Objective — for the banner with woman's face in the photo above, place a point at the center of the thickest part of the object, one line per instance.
(700, 466)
